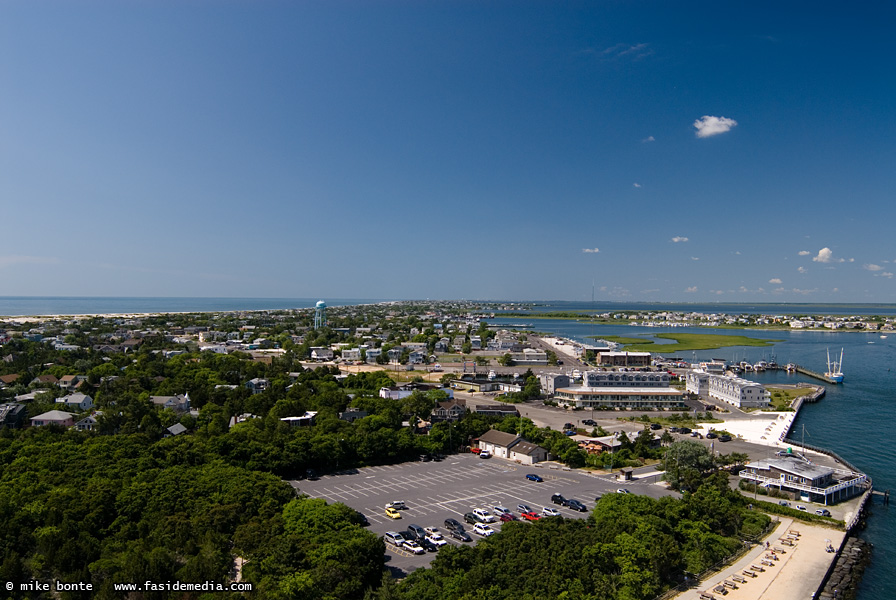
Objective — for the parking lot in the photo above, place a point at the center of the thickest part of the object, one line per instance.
(435, 491)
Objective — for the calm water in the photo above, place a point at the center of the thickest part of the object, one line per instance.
(852, 419)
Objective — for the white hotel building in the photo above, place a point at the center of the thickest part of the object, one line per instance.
(733, 390)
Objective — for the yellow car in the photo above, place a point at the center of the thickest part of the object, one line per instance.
(391, 512)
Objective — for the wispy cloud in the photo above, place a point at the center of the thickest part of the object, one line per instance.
(650, 291)
(679, 238)
(886, 274)
(637, 185)
(695, 258)
(691, 290)
(775, 280)
(708, 126)
(872, 267)
(649, 138)
(590, 250)
(804, 292)
(803, 270)
(17, 259)
(826, 255)
(804, 253)
(633, 51)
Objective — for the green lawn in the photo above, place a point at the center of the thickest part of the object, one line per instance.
(686, 342)
(782, 398)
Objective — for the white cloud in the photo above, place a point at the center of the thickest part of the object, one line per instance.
(886, 274)
(826, 255)
(775, 280)
(679, 238)
(737, 252)
(17, 259)
(851, 260)
(590, 250)
(804, 253)
(636, 51)
(804, 292)
(803, 270)
(708, 126)
(691, 289)
(637, 185)
(649, 138)
(694, 258)
(872, 267)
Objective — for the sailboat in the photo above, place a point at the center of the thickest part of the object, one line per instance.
(835, 369)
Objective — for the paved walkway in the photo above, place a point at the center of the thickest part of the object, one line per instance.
(796, 575)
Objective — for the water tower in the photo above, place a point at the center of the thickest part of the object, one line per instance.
(320, 314)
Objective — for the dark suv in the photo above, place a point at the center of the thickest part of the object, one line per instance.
(453, 525)
(558, 499)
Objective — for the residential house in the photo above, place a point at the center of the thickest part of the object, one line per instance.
(305, 420)
(179, 403)
(70, 382)
(12, 415)
(351, 354)
(53, 417)
(397, 392)
(321, 353)
(451, 410)
(176, 429)
(353, 414)
(258, 385)
(44, 380)
(77, 402)
(8, 379)
(89, 423)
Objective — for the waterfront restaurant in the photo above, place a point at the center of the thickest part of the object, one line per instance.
(798, 476)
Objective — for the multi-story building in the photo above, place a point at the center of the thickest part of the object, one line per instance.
(625, 359)
(628, 390)
(738, 392)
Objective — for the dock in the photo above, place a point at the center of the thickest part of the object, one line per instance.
(811, 373)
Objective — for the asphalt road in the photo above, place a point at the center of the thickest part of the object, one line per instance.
(435, 491)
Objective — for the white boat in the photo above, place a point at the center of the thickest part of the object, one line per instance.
(760, 366)
(883, 337)
(835, 369)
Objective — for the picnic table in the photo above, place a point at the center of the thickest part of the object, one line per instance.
(738, 579)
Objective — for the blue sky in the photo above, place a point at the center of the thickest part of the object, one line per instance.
(687, 151)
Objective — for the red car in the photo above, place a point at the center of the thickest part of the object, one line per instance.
(531, 516)
(507, 517)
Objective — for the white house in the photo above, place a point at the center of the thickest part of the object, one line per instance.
(79, 402)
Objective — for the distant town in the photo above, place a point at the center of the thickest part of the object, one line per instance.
(288, 397)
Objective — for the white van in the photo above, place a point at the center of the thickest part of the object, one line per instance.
(484, 515)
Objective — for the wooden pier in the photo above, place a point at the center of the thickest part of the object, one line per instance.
(810, 373)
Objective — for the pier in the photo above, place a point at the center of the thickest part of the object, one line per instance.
(811, 373)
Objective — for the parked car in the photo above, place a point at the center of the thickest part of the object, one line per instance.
(394, 538)
(673, 430)
(429, 530)
(416, 532)
(530, 515)
(427, 545)
(392, 513)
(362, 520)
(558, 499)
(500, 510)
(801, 507)
(461, 535)
(712, 435)
(311, 474)
(590, 422)
(684, 430)
(435, 538)
(570, 432)
(783, 502)
(622, 491)
(396, 504)
(725, 438)
(534, 477)
(550, 512)
(575, 505)
(505, 517)
(655, 426)
(484, 515)
(598, 497)
(523, 508)
(823, 512)
(485, 454)
(472, 518)
(483, 529)
(413, 546)
(453, 525)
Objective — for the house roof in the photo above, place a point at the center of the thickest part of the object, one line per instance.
(53, 415)
(176, 429)
(793, 466)
(498, 438)
(527, 448)
(9, 378)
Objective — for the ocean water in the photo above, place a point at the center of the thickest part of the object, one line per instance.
(853, 419)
